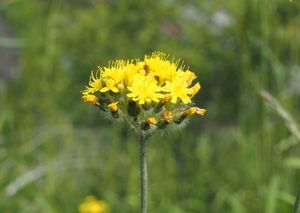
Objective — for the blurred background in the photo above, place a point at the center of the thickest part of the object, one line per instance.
(242, 156)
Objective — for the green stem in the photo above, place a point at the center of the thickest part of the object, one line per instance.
(143, 174)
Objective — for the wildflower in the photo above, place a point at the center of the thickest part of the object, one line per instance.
(110, 84)
(113, 107)
(140, 91)
(130, 70)
(90, 99)
(144, 88)
(94, 84)
(112, 76)
(151, 121)
(160, 66)
(92, 205)
(179, 89)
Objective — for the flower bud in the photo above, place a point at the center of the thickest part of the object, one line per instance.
(147, 104)
(167, 116)
(113, 107)
(120, 87)
(92, 99)
(145, 125)
(151, 121)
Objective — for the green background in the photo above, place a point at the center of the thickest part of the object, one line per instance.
(242, 156)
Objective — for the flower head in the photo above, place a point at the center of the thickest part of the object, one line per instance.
(154, 91)
(111, 77)
(143, 88)
(94, 84)
(160, 67)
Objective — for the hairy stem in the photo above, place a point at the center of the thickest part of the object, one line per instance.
(143, 174)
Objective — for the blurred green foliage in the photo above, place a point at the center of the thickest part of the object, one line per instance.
(241, 157)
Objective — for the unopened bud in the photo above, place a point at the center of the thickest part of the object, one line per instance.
(147, 103)
(145, 125)
(167, 116)
(92, 99)
(151, 121)
(113, 107)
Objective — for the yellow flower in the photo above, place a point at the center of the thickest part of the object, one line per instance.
(113, 107)
(187, 76)
(112, 76)
(94, 84)
(92, 205)
(110, 84)
(130, 70)
(151, 121)
(114, 73)
(141, 91)
(179, 89)
(90, 99)
(158, 64)
(144, 88)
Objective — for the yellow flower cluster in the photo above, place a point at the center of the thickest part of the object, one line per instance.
(136, 86)
(153, 79)
(92, 205)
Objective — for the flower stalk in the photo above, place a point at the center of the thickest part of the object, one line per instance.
(143, 174)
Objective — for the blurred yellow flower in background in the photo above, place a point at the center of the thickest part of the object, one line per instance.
(92, 205)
